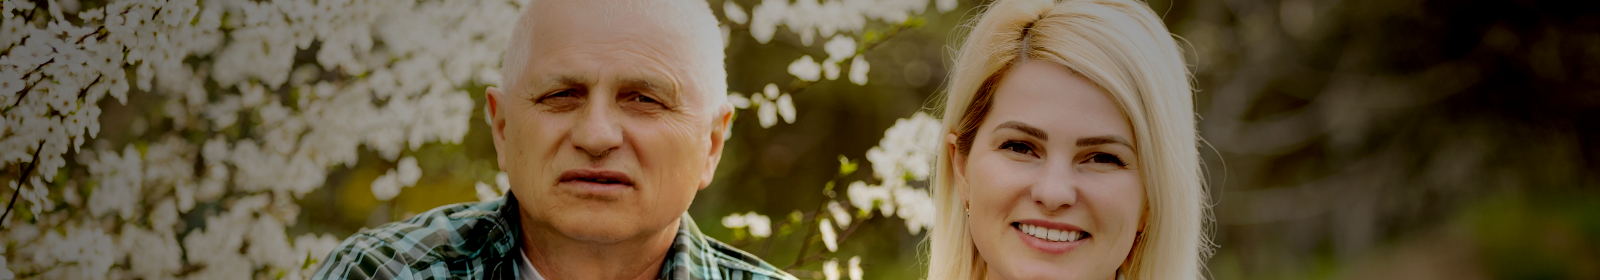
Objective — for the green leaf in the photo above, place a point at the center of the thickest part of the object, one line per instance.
(846, 166)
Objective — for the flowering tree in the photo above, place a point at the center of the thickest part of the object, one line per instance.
(904, 155)
(256, 102)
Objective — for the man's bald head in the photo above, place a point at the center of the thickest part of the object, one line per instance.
(683, 24)
(612, 116)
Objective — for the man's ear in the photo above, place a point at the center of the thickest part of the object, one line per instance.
(721, 121)
(497, 123)
(958, 163)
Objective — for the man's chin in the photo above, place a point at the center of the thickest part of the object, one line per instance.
(601, 227)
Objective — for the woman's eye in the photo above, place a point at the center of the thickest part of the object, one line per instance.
(1017, 147)
(1106, 158)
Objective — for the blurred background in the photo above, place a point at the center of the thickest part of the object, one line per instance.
(1345, 139)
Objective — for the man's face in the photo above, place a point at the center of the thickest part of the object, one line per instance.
(608, 131)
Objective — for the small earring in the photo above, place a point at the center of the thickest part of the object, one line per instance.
(968, 207)
(1120, 276)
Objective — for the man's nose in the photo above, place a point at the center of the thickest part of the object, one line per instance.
(597, 132)
(1057, 189)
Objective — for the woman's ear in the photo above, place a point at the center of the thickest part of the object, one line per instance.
(958, 163)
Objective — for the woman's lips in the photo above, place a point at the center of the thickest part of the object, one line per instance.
(1050, 238)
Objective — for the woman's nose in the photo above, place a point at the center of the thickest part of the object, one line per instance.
(1057, 189)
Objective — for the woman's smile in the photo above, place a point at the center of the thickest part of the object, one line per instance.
(1050, 239)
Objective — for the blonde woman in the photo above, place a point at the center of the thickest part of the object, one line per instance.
(1071, 148)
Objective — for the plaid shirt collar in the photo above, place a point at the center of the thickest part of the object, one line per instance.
(480, 240)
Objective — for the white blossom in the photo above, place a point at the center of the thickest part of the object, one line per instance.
(734, 13)
(772, 104)
(5, 270)
(386, 186)
(771, 91)
(152, 254)
(855, 268)
(829, 238)
(858, 70)
(735, 220)
(738, 100)
(85, 253)
(830, 269)
(867, 197)
(786, 108)
(916, 208)
(840, 48)
(764, 19)
(907, 149)
(830, 70)
(840, 216)
(806, 69)
(408, 172)
(767, 113)
(503, 181)
(759, 225)
(485, 192)
(121, 182)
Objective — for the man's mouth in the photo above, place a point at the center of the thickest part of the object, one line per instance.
(1052, 235)
(605, 177)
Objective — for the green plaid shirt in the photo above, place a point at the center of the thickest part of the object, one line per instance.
(479, 241)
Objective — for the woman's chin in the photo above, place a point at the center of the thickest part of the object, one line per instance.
(1029, 266)
(1041, 270)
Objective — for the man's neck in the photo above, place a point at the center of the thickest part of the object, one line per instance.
(557, 257)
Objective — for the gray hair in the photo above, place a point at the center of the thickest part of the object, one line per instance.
(694, 17)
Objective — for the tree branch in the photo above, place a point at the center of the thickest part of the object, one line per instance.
(22, 179)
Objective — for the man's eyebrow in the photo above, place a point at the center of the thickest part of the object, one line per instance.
(566, 80)
(648, 84)
(539, 86)
(1102, 140)
(1025, 129)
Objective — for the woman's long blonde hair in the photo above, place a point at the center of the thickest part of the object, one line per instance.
(1122, 46)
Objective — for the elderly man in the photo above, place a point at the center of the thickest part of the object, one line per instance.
(610, 119)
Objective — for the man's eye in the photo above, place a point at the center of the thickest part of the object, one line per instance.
(559, 94)
(642, 98)
(1017, 147)
(1106, 158)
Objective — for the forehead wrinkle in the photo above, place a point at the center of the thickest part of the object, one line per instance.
(654, 76)
(689, 30)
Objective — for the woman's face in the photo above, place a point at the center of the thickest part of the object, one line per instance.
(1052, 178)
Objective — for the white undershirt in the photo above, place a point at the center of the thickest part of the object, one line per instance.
(527, 267)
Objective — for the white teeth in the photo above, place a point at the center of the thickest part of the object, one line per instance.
(1050, 234)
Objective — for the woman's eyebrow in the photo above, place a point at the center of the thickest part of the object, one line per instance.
(1101, 140)
(1025, 129)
